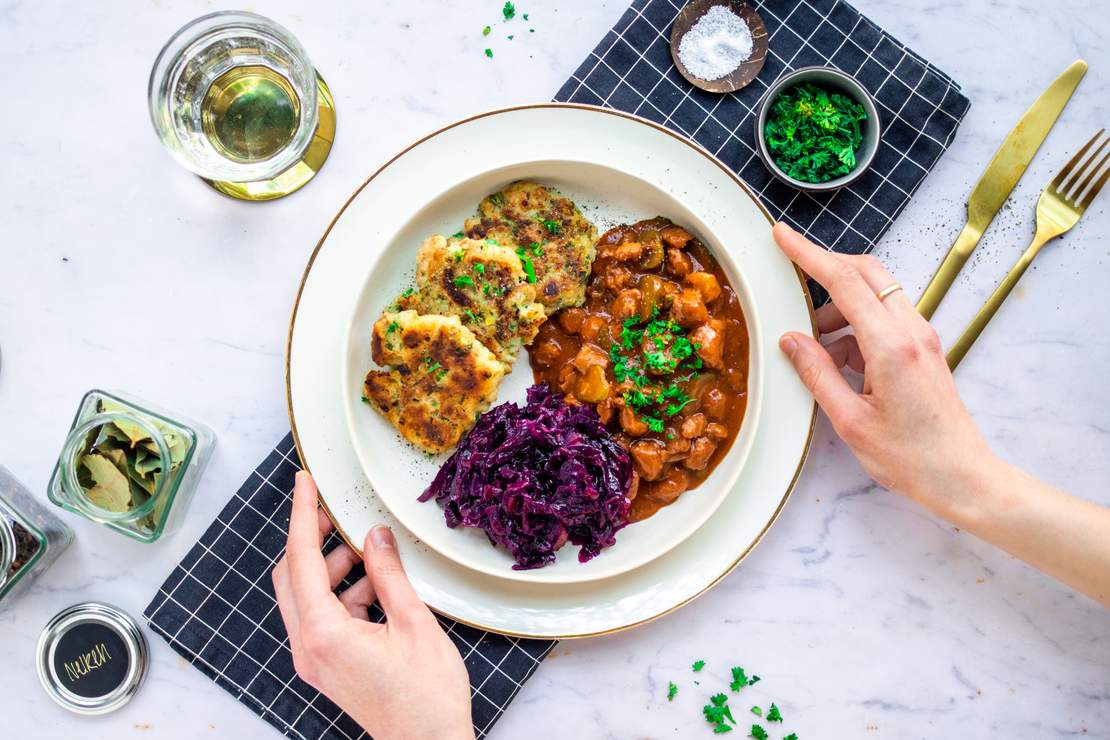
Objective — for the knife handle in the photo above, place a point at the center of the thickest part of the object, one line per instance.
(948, 270)
(990, 308)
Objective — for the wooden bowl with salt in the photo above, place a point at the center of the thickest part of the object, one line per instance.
(748, 69)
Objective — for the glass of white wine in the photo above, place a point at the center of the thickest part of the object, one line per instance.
(235, 99)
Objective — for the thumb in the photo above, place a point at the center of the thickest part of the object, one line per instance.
(395, 594)
(820, 375)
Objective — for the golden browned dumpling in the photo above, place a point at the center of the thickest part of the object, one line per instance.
(438, 377)
(482, 283)
(553, 239)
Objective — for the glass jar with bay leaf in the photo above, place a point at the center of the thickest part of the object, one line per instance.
(31, 538)
(130, 466)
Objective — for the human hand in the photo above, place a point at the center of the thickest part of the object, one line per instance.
(401, 679)
(909, 428)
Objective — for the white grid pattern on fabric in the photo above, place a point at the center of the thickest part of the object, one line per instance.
(255, 663)
(919, 105)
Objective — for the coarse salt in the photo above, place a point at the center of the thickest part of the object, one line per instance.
(716, 45)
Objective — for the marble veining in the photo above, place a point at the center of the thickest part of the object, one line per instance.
(864, 616)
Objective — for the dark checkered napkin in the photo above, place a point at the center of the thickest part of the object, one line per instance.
(217, 610)
(920, 107)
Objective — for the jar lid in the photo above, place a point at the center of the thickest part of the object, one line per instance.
(92, 658)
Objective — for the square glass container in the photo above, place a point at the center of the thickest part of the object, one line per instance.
(146, 438)
(31, 538)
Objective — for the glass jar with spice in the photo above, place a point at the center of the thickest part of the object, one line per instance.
(130, 466)
(31, 538)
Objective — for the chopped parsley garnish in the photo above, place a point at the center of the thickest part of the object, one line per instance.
(698, 665)
(753, 679)
(408, 292)
(524, 16)
(529, 268)
(487, 288)
(458, 256)
(655, 424)
(791, 736)
(671, 690)
(813, 134)
(553, 227)
(471, 315)
(758, 733)
(486, 31)
(718, 714)
(739, 679)
(458, 235)
(536, 249)
(463, 280)
(393, 326)
(673, 408)
(493, 242)
(757, 711)
(508, 11)
(773, 714)
(637, 399)
(479, 268)
(489, 53)
(367, 400)
(510, 37)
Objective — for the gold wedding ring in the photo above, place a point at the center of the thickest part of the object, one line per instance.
(894, 287)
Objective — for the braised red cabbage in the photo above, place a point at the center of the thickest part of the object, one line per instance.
(536, 477)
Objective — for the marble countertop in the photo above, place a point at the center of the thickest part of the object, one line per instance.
(865, 616)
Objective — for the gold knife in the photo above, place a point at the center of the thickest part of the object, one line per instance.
(1000, 177)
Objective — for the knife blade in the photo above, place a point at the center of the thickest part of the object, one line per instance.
(998, 180)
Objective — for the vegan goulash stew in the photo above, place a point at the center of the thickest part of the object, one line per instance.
(660, 348)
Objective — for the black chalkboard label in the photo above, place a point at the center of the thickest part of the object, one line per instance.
(91, 660)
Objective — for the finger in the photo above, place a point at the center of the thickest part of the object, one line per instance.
(842, 279)
(845, 352)
(820, 375)
(286, 602)
(358, 598)
(339, 563)
(395, 594)
(879, 278)
(307, 570)
(829, 319)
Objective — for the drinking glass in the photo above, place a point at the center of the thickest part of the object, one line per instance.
(235, 99)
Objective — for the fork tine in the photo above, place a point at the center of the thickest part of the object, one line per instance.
(1058, 181)
(1093, 192)
(1083, 170)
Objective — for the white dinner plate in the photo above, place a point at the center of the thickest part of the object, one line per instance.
(619, 168)
(607, 197)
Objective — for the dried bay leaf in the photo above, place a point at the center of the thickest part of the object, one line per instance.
(111, 491)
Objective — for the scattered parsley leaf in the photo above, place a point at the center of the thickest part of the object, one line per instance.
(757, 711)
(758, 733)
(393, 326)
(367, 400)
(524, 16)
(486, 31)
(508, 11)
(510, 37)
(553, 227)
(671, 690)
(479, 268)
(655, 424)
(458, 235)
(529, 268)
(754, 679)
(408, 292)
(489, 53)
(773, 714)
(698, 665)
(739, 679)
(791, 736)
(463, 280)
(471, 315)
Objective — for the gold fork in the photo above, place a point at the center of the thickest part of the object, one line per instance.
(1061, 204)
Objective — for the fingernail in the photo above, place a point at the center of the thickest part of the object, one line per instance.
(788, 345)
(381, 537)
(300, 474)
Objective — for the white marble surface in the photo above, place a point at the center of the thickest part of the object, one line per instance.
(865, 616)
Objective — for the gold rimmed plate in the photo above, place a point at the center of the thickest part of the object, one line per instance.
(565, 145)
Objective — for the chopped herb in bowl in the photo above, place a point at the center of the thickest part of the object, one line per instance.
(814, 133)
